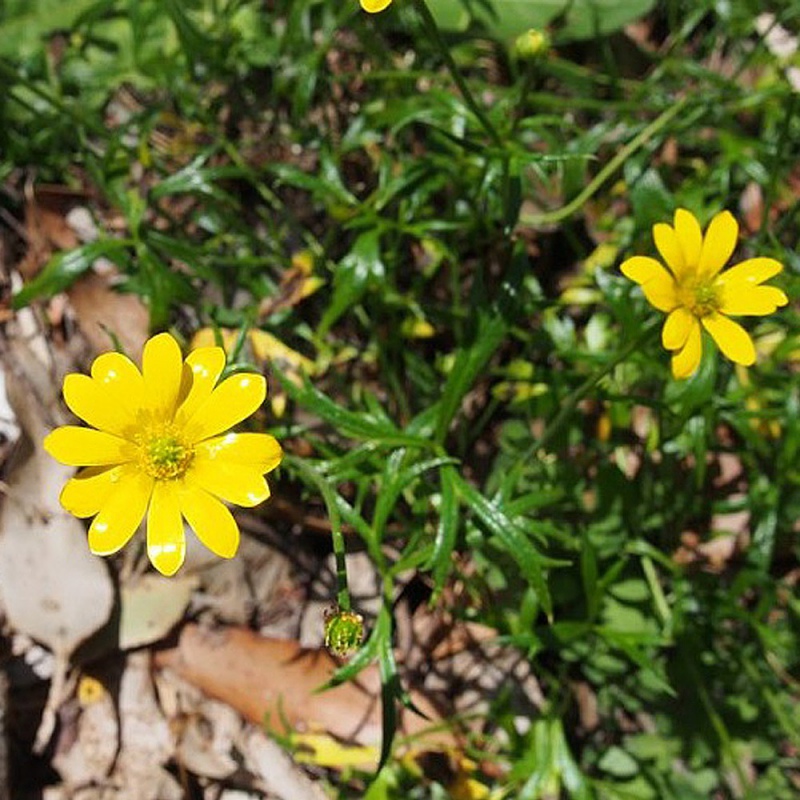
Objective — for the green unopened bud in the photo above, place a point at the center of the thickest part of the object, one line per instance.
(344, 631)
(531, 45)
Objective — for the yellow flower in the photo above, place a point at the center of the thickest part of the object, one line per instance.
(374, 6)
(694, 292)
(159, 449)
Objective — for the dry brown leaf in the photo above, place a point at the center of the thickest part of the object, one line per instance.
(273, 682)
(101, 310)
(46, 226)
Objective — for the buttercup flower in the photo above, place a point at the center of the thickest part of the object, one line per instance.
(696, 294)
(374, 6)
(157, 447)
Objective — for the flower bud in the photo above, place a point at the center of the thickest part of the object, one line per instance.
(344, 631)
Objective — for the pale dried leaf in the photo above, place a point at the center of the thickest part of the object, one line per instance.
(151, 606)
(86, 753)
(52, 587)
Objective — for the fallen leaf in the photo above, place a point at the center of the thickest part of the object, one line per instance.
(101, 311)
(51, 586)
(274, 682)
(151, 606)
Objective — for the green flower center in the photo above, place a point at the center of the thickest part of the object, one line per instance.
(164, 455)
(702, 296)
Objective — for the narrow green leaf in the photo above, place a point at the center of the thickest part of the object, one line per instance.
(395, 479)
(63, 269)
(446, 531)
(359, 425)
(514, 540)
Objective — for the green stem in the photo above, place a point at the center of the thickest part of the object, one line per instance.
(436, 35)
(309, 474)
(572, 400)
(659, 599)
(558, 214)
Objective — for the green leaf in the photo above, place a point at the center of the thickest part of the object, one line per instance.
(615, 761)
(396, 477)
(446, 530)
(360, 425)
(358, 271)
(63, 269)
(513, 539)
(507, 19)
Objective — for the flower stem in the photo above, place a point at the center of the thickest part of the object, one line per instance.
(556, 215)
(310, 475)
(436, 35)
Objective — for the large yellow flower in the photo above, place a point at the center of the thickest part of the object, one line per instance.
(373, 6)
(159, 449)
(696, 294)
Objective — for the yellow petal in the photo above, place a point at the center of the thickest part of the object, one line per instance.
(373, 6)
(162, 368)
(657, 284)
(751, 272)
(234, 483)
(232, 401)
(206, 365)
(686, 361)
(252, 449)
(121, 380)
(97, 405)
(669, 247)
(677, 327)
(731, 338)
(86, 493)
(85, 447)
(166, 543)
(754, 301)
(689, 235)
(121, 514)
(213, 524)
(719, 243)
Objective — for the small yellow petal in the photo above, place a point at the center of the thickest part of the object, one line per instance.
(86, 493)
(669, 247)
(686, 361)
(211, 521)
(731, 338)
(657, 284)
(751, 272)
(206, 365)
(162, 368)
(754, 301)
(252, 449)
(166, 543)
(373, 6)
(234, 483)
(121, 379)
(235, 399)
(677, 327)
(96, 404)
(85, 447)
(689, 235)
(121, 514)
(719, 243)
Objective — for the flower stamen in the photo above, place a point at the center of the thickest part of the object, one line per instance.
(163, 455)
(701, 297)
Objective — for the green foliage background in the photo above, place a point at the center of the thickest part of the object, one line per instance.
(533, 449)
